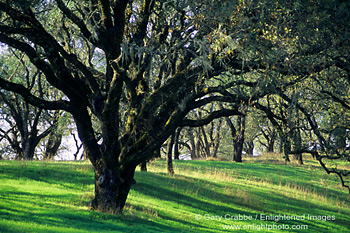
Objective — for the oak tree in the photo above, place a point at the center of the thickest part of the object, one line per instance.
(149, 58)
(131, 71)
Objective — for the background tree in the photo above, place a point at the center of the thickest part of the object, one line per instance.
(237, 136)
(62, 127)
(252, 131)
(207, 137)
(177, 142)
(169, 154)
(23, 126)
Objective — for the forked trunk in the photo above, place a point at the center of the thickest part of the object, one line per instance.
(110, 192)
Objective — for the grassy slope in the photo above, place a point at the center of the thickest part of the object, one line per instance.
(52, 197)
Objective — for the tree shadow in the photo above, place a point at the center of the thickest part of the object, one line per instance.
(160, 186)
(186, 195)
(43, 216)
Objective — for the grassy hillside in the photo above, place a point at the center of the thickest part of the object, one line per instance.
(203, 196)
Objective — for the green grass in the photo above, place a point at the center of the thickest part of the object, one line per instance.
(52, 197)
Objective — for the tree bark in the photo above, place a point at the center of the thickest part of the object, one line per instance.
(250, 147)
(144, 166)
(240, 139)
(216, 140)
(286, 150)
(169, 157)
(237, 137)
(216, 146)
(176, 143)
(197, 147)
(205, 144)
(270, 137)
(271, 145)
(53, 143)
(297, 146)
(157, 154)
(193, 148)
(294, 130)
(28, 150)
(111, 193)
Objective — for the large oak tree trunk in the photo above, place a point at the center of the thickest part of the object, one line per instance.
(111, 193)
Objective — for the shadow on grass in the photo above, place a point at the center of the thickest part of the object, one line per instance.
(37, 212)
(18, 215)
(274, 173)
(209, 199)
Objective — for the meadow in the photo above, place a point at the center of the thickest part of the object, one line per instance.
(259, 195)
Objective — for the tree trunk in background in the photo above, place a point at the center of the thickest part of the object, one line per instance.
(55, 138)
(270, 137)
(144, 166)
(192, 143)
(286, 150)
(215, 140)
(216, 146)
(297, 146)
(176, 143)
(28, 149)
(237, 137)
(78, 148)
(198, 148)
(271, 144)
(238, 144)
(280, 145)
(299, 158)
(169, 156)
(293, 124)
(340, 135)
(53, 143)
(233, 133)
(249, 147)
(193, 148)
(205, 143)
(157, 154)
